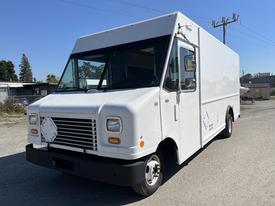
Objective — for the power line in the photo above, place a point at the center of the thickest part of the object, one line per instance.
(140, 6)
(256, 33)
(152, 9)
(97, 9)
(261, 39)
(224, 22)
(102, 10)
(254, 43)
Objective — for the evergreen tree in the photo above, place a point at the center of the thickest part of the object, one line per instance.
(7, 72)
(25, 74)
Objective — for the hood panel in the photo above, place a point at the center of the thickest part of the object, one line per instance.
(89, 102)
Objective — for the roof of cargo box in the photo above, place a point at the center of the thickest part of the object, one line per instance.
(151, 28)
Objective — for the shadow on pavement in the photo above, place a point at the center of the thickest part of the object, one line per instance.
(172, 168)
(23, 183)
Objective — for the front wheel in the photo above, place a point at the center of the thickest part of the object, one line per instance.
(153, 175)
(227, 132)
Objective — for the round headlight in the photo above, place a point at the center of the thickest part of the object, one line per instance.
(113, 125)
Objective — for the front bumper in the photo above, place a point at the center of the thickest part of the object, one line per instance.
(119, 172)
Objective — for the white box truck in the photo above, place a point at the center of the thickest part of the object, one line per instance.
(131, 96)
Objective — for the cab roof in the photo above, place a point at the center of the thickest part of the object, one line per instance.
(151, 28)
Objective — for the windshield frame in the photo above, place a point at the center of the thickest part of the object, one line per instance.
(109, 50)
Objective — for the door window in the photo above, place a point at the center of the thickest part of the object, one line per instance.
(188, 69)
(171, 82)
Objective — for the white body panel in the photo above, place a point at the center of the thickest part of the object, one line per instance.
(191, 119)
(219, 84)
(136, 107)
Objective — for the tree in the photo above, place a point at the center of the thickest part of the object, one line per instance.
(86, 70)
(246, 78)
(25, 74)
(52, 79)
(7, 72)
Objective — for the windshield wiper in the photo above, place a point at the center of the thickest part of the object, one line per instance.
(70, 89)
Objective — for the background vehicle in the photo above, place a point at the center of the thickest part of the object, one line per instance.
(22, 102)
(131, 96)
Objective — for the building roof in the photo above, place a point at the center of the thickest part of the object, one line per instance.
(21, 84)
(266, 79)
(14, 84)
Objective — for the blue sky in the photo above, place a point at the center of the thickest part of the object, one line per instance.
(46, 30)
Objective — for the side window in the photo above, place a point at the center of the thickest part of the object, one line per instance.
(188, 69)
(68, 79)
(171, 82)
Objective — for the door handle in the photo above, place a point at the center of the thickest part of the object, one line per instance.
(176, 113)
(167, 100)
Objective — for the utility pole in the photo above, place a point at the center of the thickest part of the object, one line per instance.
(224, 22)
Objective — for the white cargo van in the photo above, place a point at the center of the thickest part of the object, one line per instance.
(131, 96)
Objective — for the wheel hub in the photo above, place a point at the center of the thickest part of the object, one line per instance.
(152, 171)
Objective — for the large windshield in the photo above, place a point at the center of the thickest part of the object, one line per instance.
(133, 65)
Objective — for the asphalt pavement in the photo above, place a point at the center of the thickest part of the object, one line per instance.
(236, 171)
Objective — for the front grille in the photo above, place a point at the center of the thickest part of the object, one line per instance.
(79, 133)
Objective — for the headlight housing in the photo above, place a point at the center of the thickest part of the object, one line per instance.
(114, 124)
(33, 119)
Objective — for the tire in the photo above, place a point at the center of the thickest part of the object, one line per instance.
(227, 132)
(153, 165)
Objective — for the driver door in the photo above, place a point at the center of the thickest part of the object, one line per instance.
(189, 101)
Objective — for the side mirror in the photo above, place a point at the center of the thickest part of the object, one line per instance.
(190, 63)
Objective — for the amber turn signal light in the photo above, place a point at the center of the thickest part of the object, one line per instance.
(114, 140)
(34, 131)
(141, 143)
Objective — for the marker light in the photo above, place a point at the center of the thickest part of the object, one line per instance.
(141, 143)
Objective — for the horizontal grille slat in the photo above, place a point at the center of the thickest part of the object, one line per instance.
(73, 125)
(76, 137)
(70, 121)
(74, 140)
(79, 133)
(76, 133)
(77, 129)
(82, 146)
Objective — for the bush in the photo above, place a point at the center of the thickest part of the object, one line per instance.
(9, 107)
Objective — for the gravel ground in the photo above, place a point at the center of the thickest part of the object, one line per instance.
(235, 171)
(13, 135)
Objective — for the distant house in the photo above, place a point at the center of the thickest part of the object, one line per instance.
(30, 91)
(259, 91)
(264, 79)
(263, 74)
